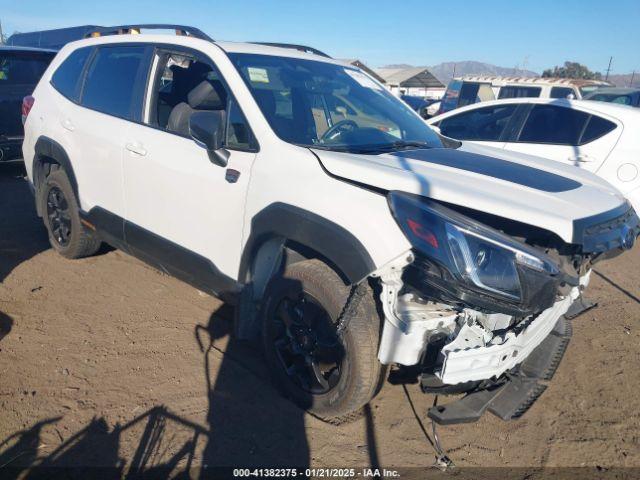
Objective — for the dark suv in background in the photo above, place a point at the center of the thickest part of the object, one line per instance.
(20, 71)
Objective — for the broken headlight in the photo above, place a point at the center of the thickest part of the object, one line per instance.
(471, 262)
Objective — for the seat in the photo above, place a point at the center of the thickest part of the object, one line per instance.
(207, 95)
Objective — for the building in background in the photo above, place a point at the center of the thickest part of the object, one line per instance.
(54, 39)
(416, 81)
(357, 63)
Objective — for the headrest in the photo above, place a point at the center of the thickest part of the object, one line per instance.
(208, 95)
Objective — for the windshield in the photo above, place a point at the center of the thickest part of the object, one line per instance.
(588, 89)
(18, 68)
(333, 107)
(611, 98)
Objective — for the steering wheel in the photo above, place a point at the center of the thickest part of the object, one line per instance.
(342, 125)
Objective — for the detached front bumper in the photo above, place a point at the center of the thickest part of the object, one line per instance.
(463, 364)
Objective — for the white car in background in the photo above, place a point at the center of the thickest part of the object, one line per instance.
(597, 136)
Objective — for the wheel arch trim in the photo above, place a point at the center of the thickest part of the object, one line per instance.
(336, 244)
(46, 147)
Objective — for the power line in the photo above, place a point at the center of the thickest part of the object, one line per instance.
(608, 69)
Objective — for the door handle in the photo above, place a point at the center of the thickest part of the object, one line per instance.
(67, 124)
(136, 148)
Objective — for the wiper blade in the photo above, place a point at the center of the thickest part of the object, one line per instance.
(407, 144)
(390, 147)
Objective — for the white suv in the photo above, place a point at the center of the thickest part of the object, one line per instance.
(348, 233)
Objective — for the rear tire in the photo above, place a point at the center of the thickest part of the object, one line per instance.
(61, 215)
(346, 384)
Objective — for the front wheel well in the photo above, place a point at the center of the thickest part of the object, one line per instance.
(297, 252)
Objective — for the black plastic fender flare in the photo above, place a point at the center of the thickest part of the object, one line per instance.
(332, 241)
(48, 148)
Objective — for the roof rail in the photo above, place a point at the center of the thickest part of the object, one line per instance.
(124, 29)
(293, 46)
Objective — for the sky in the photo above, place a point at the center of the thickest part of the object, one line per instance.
(534, 35)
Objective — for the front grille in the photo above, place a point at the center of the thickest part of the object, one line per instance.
(610, 234)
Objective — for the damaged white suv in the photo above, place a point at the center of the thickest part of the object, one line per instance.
(349, 235)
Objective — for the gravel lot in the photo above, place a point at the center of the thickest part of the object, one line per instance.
(106, 362)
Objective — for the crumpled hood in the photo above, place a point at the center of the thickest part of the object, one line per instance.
(520, 187)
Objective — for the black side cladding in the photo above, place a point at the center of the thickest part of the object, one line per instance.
(494, 167)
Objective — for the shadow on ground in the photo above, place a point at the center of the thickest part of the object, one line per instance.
(22, 234)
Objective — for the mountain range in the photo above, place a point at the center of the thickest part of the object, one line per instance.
(445, 72)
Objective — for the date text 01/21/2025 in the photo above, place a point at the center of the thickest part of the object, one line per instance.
(315, 473)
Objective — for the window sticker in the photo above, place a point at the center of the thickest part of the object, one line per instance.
(258, 75)
(362, 79)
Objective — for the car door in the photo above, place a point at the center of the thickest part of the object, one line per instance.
(184, 213)
(94, 131)
(485, 125)
(568, 135)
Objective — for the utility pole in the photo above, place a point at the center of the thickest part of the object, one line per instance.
(1, 34)
(608, 69)
(632, 77)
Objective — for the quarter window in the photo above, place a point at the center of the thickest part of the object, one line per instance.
(554, 125)
(68, 77)
(484, 124)
(112, 83)
(596, 128)
(239, 134)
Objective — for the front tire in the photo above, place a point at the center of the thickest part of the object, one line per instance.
(332, 376)
(61, 215)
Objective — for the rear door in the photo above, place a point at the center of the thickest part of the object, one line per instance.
(568, 135)
(485, 125)
(94, 130)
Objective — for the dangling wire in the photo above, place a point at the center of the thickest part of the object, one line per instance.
(443, 462)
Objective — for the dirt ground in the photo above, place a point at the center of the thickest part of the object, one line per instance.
(106, 362)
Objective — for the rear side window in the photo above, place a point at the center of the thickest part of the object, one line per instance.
(468, 94)
(519, 92)
(22, 68)
(483, 124)
(450, 99)
(596, 128)
(113, 83)
(553, 125)
(67, 78)
(561, 92)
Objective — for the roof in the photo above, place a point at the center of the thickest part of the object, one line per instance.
(229, 47)
(409, 77)
(357, 63)
(10, 48)
(532, 80)
(625, 113)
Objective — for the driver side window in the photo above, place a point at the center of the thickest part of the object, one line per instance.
(185, 84)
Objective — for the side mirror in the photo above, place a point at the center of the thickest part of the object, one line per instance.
(207, 128)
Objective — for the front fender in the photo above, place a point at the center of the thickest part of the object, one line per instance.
(333, 242)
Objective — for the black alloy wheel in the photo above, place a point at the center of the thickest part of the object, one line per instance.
(59, 216)
(307, 344)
